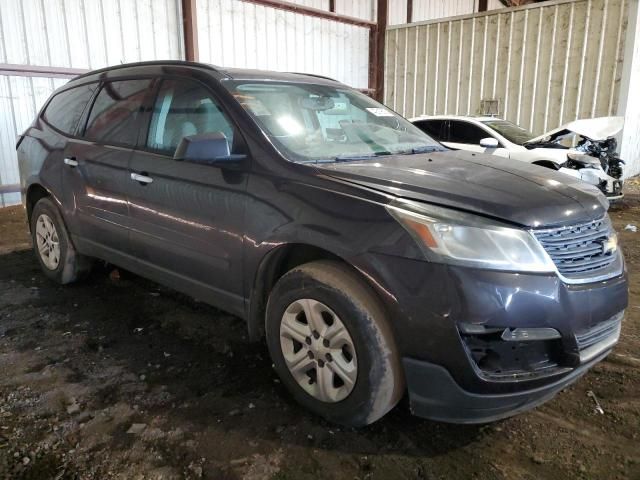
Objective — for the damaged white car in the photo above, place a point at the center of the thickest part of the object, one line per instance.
(584, 149)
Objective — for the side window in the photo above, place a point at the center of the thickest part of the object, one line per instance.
(65, 109)
(465, 132)
(116, 110)
(433, 128)
(184, 108)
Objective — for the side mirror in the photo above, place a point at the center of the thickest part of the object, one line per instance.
(208, 149)
(489, 142)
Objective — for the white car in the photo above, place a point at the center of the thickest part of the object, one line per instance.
(584, 149)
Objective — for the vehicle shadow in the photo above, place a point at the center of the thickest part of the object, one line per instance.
(192, 364)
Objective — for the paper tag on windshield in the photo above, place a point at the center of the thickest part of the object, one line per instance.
(380, 112)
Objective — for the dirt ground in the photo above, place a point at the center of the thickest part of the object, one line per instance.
(117, 377)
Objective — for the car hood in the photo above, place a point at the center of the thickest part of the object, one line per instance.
(508, 190)
(595, 129)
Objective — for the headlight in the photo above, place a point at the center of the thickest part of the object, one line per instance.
(449, 236)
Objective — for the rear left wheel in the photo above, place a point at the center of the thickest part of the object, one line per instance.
(56, 254)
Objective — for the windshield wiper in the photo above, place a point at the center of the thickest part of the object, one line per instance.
(424, 149)
(352, 158)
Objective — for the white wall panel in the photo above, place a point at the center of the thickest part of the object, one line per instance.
(20, 100)
(434, 9)
(424, 10)
(397, 12)
(320, 4)
(365, 9)
(494, 4)
(89, 33)
(630, 94)
(233, 33)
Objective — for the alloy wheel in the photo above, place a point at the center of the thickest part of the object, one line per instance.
(318, 350)
(47, 242)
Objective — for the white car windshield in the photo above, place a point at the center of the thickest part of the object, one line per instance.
(315, 123)
(512, 132)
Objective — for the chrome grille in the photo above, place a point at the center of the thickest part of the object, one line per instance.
(579, 248)
(599, 332)
(599, 338)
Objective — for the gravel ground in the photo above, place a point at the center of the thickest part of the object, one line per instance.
(118, 377)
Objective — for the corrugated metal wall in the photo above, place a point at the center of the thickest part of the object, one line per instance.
(278, 40)
(88, 33)
(630, 93)
(20, 99)
(72, 33)
(546, 63)
(397, 13)
(320, 4)
(365, 9)
(434, 9)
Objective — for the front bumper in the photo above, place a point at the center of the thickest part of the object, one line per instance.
(459, 374)
(613, 189)
(434, 394)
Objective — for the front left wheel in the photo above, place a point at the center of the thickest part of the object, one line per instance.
(331, 344)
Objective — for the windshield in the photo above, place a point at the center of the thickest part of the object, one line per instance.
(313, 123)
(512, 132)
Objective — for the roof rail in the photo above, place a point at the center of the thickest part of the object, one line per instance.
(315, 75)
(154, 62)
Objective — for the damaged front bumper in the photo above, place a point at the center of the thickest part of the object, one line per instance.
(610, 186)
(614, 189)
(442, 399)
(480, 345)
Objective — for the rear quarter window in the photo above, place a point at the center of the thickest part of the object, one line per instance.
(65, 109)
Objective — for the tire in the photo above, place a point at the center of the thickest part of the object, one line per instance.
(69, 265)
(333, 296)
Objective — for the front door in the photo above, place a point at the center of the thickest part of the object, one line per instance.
(96, 167)
(187, 218)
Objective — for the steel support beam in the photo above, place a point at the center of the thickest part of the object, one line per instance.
(376, 51)
(11, 188)
(190, 30)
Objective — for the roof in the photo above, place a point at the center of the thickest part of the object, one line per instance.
(220, 73)
(478, 118)
(251, 74)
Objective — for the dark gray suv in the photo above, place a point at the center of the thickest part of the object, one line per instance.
(371, 259)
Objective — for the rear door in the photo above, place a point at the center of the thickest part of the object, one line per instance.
(465, 135)
(96, 172)
(187, 219)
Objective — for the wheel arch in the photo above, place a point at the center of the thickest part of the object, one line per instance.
(273, 266)
(35, 192)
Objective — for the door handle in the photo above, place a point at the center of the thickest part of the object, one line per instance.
(143, 179)
(72, 162)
